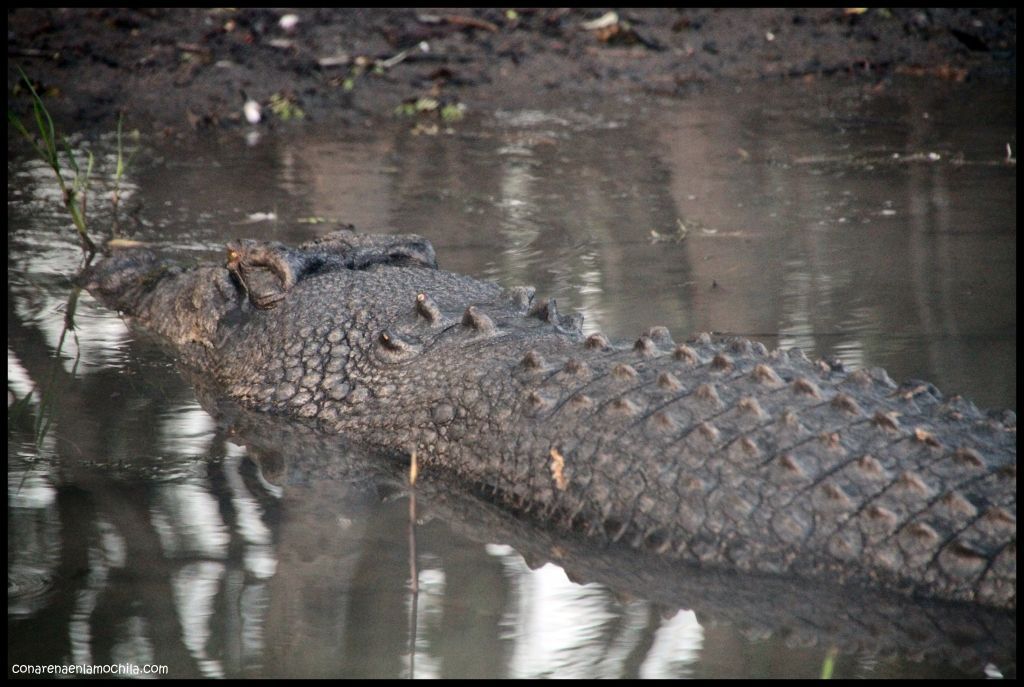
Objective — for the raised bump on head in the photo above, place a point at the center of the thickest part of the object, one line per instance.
(721, 363)
(427, 308)
(597, 342)
(532, 360)
(624, 372)
(477, 320)
(685, 354)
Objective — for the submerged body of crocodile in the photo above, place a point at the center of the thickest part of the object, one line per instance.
(721, 454)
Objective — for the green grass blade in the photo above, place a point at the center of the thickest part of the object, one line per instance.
(72, 163)
(829, 663)
(16, 123)
(120, 150)
(43, 120)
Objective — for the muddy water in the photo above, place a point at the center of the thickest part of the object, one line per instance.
(876, 225)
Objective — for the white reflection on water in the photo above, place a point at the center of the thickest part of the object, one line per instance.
(247, 510)
(133, 646)
(796, 329)
(30, 488)
(80, 627)
(530, 119)
(186, 430)
(429, 614)
(566, 630)
(79, 630)
(33, 543)
(100, 341)
(112, 544)
(33, 530)
(253, 607)
(676, 647)
(518, 207)
(187, 520)
(560, 626)
(99, 336)
(18, 379)
(259, 554)
(851, 352)
(196, 587)
(630, 634)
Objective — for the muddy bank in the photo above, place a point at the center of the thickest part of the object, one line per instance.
(186, 69)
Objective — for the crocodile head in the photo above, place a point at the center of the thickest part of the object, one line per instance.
(191, 306)
(186, 305)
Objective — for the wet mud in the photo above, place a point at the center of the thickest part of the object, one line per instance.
(178, 70)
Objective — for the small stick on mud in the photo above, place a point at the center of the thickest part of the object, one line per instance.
(470, 22)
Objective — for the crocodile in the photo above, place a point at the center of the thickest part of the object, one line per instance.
(714, 453)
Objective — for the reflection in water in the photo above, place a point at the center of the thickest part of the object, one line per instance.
(515, 201)
(253, 606)
(132, 644)
(187, 519)
(196, 590)
(19, 382)
(138, 533)
(80, 628)
(249, 524)
(561, 627)
(96, 343)
(797, 292)
(676, 647)
(33, 543)
(428, 620)
(569, 630)
(185, 431)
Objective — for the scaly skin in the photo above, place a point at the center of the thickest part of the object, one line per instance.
(722, 454)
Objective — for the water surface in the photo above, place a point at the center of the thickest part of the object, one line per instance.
(876, 224)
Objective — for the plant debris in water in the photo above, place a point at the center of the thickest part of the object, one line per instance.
(432, 112)
(285, 107)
